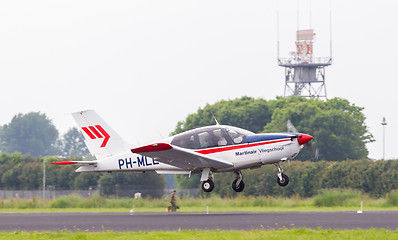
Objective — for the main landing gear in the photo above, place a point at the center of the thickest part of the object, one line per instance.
(207, 180)
(238, 185)
(208, 185)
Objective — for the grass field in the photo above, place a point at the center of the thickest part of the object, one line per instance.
(300, 233)
(332, 200)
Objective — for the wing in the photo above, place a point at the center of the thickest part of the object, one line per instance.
(180, 157)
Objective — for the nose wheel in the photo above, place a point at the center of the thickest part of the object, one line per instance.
(283, 179)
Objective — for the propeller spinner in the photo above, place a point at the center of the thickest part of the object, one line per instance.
(303, 139)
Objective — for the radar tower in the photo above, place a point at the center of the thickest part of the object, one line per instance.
(304, 73)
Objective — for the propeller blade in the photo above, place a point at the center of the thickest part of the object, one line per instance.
(290, 127)
(313, 149)
(316, 155)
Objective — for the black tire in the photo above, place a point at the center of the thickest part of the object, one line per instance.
(239, 188)
(208, 186)
(285, 180)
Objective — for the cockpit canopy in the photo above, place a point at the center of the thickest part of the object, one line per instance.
(212, 136)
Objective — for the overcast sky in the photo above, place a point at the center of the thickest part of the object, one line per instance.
(145, 65)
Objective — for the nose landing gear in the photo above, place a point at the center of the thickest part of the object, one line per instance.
(283, 179)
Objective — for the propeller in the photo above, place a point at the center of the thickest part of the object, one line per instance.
(290, 127)
(309, 145)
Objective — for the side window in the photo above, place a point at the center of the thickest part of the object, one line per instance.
(206, 140)
(213, 138)
(185, 141)
(188, 142)
(235, 136)
(221, 140)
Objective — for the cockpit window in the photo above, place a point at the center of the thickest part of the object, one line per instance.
(238, 135)
(213, 138)
(202, 138)
(206, 140)
(221, 140)
(185, 140)
(210, 137)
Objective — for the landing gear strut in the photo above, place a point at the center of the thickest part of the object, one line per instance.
(283, 179)
(238, 185)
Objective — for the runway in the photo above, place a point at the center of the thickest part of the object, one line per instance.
(94, 222)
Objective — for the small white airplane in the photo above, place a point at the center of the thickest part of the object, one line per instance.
(205, 150)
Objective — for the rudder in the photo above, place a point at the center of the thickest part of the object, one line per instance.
(100, 138)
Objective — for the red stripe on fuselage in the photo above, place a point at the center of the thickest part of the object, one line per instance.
(235, 147)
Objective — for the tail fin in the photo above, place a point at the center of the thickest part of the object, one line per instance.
(100, 138)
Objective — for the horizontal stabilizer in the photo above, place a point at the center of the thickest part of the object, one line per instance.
(75, 162)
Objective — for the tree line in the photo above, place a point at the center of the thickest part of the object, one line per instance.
(26, 173)
(375, 178)
(35, 134)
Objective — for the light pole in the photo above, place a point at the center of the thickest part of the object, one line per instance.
(384, 123)
(44, 178)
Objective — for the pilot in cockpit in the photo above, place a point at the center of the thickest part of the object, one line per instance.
(222, 141)
(211, 140)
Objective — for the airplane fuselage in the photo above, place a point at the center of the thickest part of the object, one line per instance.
(258, 150)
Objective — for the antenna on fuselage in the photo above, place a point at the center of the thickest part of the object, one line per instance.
(215, 119)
